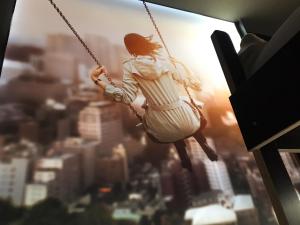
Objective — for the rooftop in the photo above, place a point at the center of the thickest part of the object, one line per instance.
(210, 215)
(243, 202)
(125, 214)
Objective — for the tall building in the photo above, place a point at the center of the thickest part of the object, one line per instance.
(57, 176)
(13, 177)
(64, 50)
(201, 177)
(87, 153)
(101, 121)
(195, 150)
(111, 56)
(183, 184)
(184, 187)
(52, 115)
(62, 66)
(89, 124)
(236, 169)
(113, 169)
(74, 106)
(209, 175)
(62, 43)
(291, 167)
(218, 176)
(197, 156)
(102, 49)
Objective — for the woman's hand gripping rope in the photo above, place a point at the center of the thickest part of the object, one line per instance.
(98, 76)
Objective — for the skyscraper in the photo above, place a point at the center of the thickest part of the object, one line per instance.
(102, 49)
(218, 176)
(196, 152)
(60, 174)
(62, 43)
(197, 156)
(61, 65)
(13, 178)
(291, 167)
(184, 186)
(113, 169)
(101, 121)
(87, 156)
(217, 173)
(89, 124)
(177, 182)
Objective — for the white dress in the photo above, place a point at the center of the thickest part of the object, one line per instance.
(168, 118)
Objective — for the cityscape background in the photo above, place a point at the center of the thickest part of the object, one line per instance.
(70, 156)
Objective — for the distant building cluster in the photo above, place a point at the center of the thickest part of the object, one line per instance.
(70, 165)
(65, 50)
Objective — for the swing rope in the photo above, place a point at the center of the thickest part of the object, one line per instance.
(168, 52)
(156, 28)
(91, 53)
(75, 32)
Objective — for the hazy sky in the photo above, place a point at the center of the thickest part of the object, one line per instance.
(186, 34)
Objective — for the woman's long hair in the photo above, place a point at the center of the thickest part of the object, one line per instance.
(139, 45)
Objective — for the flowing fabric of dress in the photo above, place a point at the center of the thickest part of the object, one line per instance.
(168, 117)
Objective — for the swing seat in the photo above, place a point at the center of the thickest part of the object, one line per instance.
(203, 124)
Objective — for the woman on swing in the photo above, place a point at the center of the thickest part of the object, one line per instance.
(167, 118)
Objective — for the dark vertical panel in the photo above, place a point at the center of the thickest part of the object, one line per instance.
(268, 102)
(229, 60)
(6, 11)
(278, 184)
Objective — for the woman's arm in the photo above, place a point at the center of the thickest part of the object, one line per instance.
(126, 94)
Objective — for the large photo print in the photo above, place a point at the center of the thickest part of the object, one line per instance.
(117, 112)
